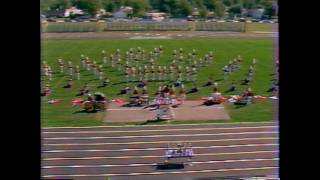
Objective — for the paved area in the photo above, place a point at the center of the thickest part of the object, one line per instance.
(132, 152)
(189, 110)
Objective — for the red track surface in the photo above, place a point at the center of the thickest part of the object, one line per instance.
(221, 150)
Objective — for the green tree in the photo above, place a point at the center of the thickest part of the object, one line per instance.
(173, 6)
(268, 11)
(45, 4)
(139, 6)
(203, 13)
(209, 4)
(109, 6)
(235, 9)
(227, 2)
(91, 6)
(219, 8)
(249, 4)
(185, 8)
(60, 4)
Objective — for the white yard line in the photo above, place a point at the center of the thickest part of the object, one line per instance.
(164, 125)
(154, 164)
(161, 135)
(136, 157)
(157, 142)
(153, 149)
(158, 130)
(160, 173)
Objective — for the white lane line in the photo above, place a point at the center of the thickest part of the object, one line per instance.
(136, 157)
(159, 142)
(159, 173)
(161, 130)
(153, 149)
(161, 135)
(154, 164)
(163, 125)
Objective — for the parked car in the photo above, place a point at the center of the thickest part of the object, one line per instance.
(51, 20)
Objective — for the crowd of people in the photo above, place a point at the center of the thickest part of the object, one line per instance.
(138, 65)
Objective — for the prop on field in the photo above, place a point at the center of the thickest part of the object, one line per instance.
(179, 151)
(54, 101)
(97, 102)
(118, 100)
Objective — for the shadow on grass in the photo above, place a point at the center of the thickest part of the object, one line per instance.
(84, 112)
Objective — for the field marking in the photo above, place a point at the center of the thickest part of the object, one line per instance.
(154, 164)
(158, 142)
(161, 130)
(160, 173)
(136, 157)
(153, 149)
(161, 135)
(163, 125)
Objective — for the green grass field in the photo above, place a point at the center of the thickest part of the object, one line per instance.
(224, 49)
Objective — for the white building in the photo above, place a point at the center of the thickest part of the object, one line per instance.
(72, 10)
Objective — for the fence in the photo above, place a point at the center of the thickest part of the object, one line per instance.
(142, 26)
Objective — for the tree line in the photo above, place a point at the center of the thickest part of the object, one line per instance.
(176, 8)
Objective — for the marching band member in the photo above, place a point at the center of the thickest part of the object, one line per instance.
(94, 68)
(61, 65)
(88, 63)
(49, 73)
(134, 72)
(83, 61)
(77, 71)
(99, 68)
(70, 68)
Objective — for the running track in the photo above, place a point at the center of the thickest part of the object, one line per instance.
(131, 152)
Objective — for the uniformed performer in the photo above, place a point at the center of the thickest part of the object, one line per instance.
(188, 73)
(160, 73)
(88, 63)
(77, 71)
(103, 54)
(127, 74)
(172, 71)
(49, 73)
(70, 68)
(112, 60)
(133, 73)
(146, 73)
(193, 73)
(83, 61)
(99, 68)
(160, 48)
(153, 73)
(61, 65)
(165, 73)
(94, 68)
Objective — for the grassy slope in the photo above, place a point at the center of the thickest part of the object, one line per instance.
(224, 49)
